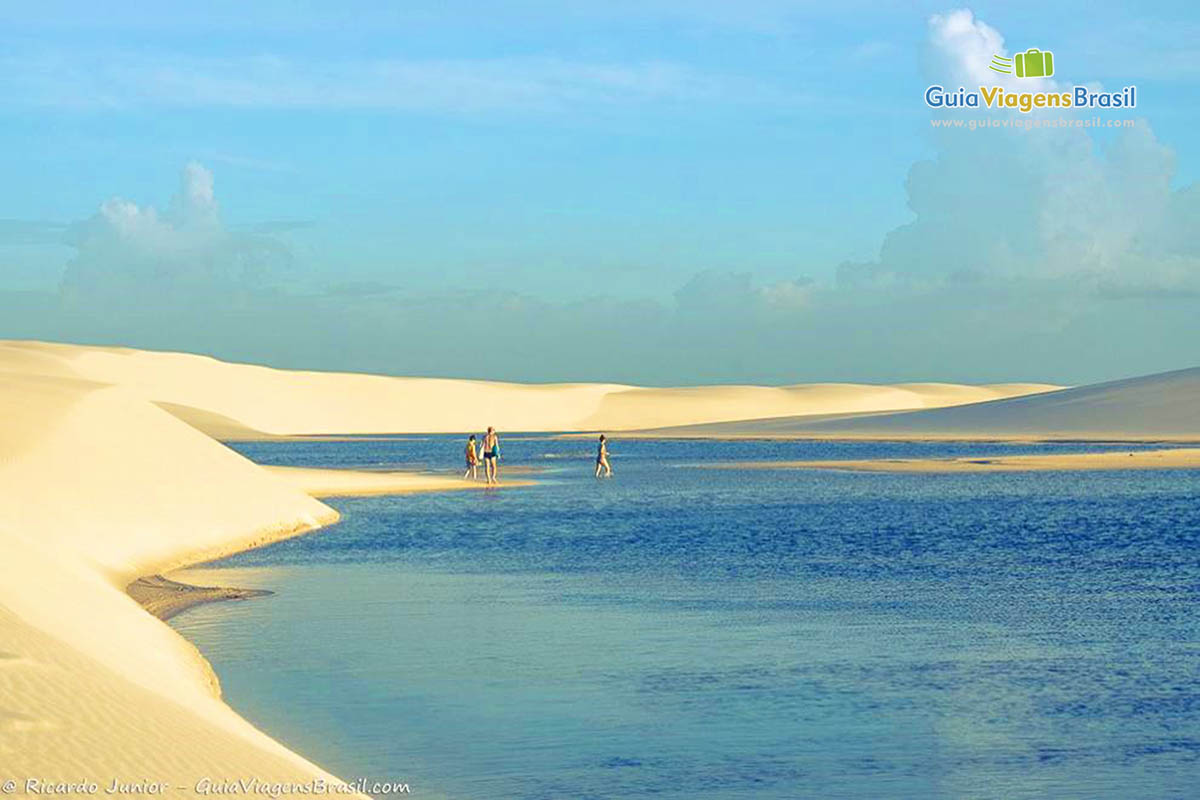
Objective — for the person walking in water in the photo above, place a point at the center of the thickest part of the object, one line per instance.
(472, 459)
(491, 456)
(602, 464)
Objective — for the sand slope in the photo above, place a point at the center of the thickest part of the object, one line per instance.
(646, 407)
(97, 487)
(240, 400)
(1162, 406)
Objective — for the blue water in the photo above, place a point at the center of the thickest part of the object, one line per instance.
(680, 632)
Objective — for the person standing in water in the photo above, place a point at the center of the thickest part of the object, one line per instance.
(491, 456)
(602, 459)
(472, 460)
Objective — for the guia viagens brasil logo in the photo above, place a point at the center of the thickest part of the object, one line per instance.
(1033, 63)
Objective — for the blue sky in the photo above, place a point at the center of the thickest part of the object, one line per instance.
(591, 169)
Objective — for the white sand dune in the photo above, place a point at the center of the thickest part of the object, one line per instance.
(98, 487)
(240, 400)
(646, 407)
(1151, 407)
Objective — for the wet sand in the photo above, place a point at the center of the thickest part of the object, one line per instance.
(165, 598)
(1172, 458)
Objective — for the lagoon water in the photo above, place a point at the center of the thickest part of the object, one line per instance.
(680, 632)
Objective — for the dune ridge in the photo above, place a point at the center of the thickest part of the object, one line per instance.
(98, 487)
(1160, 407)
(230, 400)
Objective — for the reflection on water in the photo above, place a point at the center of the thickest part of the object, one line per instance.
(678, 631)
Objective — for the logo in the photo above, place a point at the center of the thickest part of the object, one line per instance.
(1033, 63)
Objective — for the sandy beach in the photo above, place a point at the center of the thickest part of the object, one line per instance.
(164, 598)
(362, 483)
(1171, 458)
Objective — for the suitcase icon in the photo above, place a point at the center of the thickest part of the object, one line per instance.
(1034, 63)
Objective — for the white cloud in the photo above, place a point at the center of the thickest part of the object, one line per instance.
(1041, 204)
(127, 253)
(734, 298)
(961, 47)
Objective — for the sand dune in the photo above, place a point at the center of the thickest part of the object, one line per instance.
(646, 407)
(97, 487)
(240, 400)
(1162, 406)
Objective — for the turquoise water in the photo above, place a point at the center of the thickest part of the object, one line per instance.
(680, 632)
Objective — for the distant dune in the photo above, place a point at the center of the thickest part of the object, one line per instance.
(245, 401)
(647, 407)
(1162, 406)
